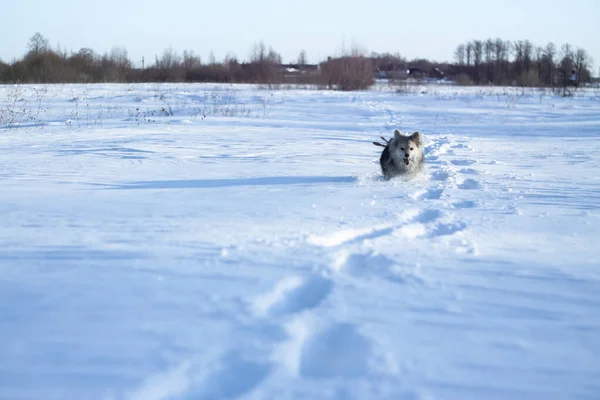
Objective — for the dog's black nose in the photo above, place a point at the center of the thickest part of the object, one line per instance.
(406, 155)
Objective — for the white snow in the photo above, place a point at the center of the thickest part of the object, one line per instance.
(189, 241)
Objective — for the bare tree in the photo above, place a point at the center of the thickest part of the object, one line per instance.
(547, 67)
(38, 44)
(498, 47)
(488, 50)
(566, 72)
(169, 59)
(539, 60)
(302, 58)
(499, 56)
(518, 54)
(477, 58)
(550, 51)
(119, 57)
(582, 63)
(230, 59)
(469, 52)
(259, 53)
(459, 54)
(527, 54)
(566, 53)
(273, 57)
(190, 60)
(264, 63)
(84, 61)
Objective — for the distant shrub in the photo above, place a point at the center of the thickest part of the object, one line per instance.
(403, 87)
(348, 73)
(530, 78)
(464, 80)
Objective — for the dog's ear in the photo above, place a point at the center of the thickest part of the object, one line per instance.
(397, 134)
(417, 138)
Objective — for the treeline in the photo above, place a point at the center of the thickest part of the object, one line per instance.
(502, 62)
(479, 62)
(41, 64)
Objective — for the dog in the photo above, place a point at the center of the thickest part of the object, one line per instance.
(402, 155)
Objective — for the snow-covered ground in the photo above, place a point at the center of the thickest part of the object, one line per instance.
(219, 242)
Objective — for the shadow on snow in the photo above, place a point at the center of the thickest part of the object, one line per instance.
(217, 183)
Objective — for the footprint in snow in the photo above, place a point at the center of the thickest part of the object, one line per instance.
(410, 226)
(371, 265)
(462, 163)
(233, 376)
(444, 229)
(440, 175)
(293, 295)
(462, 146)
(230, 376)
(468, 171)
(349, 236)
(426, 216)
(339, 351)
(429, 194)
(465, 204)
(427, 221)
(469, 184)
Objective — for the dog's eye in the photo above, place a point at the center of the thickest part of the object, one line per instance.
(412, 148)
(401, 148)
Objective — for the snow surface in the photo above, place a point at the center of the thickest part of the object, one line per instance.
(217, 242)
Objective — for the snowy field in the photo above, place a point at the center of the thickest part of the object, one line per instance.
(222, 242)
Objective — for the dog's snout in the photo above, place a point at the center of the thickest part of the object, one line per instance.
(406, 155)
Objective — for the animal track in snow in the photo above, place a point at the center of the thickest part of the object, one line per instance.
(230, 376)
(463, 163)
(441, 175)
(427, 216)
(428, 194)
(372, 264)
(462, 146)
(439, 146)
(293, 295)
(466, 247)
(469, 184)
(427, 219)
(338, 351)
(233, 376)
(412, 231)
(444, 229)
(436, 151)
(465, 204)
(350, 236)
(468, 171)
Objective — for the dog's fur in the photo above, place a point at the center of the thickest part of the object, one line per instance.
(402, 155)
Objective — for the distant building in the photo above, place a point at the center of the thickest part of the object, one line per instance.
(294, 72)
(391, 71)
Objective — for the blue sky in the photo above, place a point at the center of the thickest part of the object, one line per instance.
(418, 28)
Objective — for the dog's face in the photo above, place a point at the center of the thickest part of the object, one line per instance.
(407, 147)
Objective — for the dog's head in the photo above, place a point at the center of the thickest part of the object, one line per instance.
(407, 147)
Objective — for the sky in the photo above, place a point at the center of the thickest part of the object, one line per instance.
(429, 29)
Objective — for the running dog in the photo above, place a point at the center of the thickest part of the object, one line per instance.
(402, 155)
